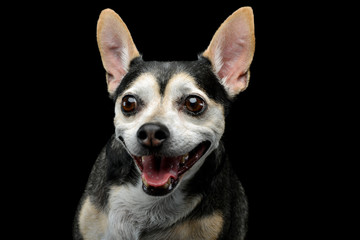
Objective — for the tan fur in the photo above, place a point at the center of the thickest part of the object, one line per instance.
(92, 222)
(207, 228)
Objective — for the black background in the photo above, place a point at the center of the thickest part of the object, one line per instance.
(65, 117)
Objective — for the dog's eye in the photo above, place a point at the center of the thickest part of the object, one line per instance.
(128, 104)
(195, 104)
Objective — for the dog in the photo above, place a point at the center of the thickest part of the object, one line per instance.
(164, 173)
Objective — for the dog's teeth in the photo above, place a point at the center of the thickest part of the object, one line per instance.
(142, 159)
(145, 182)
(184, 158)
(167, 184)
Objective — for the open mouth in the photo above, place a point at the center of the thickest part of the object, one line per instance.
(161, 174)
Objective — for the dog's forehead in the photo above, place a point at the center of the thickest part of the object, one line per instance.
(172, 78)
(148, 86)
(152, 76)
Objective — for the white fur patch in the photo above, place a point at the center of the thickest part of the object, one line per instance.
(131, 211)
(218, 60)
(148, 90)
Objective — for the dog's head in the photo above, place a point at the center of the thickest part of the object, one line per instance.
(171, 115)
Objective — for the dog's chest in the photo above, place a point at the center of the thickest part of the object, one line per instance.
(132, 213)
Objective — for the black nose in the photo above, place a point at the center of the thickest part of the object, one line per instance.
(152, 134)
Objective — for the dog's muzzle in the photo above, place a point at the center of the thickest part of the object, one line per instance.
(160, 174)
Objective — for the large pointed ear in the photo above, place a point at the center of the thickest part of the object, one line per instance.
(116, 46)
(231, 50)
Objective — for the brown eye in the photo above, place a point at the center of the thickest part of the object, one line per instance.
(195, 104)
(128, 104)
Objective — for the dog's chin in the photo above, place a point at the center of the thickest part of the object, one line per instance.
(161, 174)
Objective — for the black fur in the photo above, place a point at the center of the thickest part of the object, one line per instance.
(217, 182)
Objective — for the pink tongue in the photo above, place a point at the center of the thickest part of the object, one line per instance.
(157, 171)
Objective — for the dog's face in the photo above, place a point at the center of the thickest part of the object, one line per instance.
(168, 123)
(171, 115)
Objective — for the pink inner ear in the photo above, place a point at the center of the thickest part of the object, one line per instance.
(115, 63)
(114, 51)
(236, 61)
(236, 55)
(231, 54)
